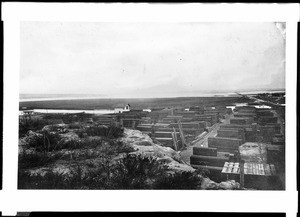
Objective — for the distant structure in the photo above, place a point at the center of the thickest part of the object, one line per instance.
(121, 110)
(26, 112)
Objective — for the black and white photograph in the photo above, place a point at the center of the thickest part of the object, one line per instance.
(188, 105)
(152, 106)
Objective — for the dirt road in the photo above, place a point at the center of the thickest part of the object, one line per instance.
(201, 141)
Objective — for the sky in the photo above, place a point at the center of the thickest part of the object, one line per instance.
(150, 59)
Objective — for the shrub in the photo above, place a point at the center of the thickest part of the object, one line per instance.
(179, 180)
(30, 124)
(120, 147)
(136, 172)
(50, 180)
(95, 130)
(45, 141)
(110, 132)
(114, 131)
(92, 142)
(70, 118)
(35, 124)
(80, 133)
(130, 172)
(109, 148)
(30, 159)
(33, 160)
(75, 126)
(69, 143)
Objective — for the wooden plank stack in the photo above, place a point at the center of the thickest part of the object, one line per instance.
(241, 121)
(263, 120)
(208, 160)
(232, 133)
(231, 167)
(224, 144)
(205, 151)
(242, 115)
(250, 169)
(236, 126)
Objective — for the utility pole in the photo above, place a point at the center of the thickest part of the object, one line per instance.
(174, 136)
(174, 141)
(242, 173)
(241, 162)
(181, 133)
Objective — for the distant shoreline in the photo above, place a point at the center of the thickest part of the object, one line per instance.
(51, 98)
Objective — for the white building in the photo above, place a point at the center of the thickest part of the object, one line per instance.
(121, 110)
(26, 112)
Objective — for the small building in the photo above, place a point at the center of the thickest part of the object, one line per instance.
(126, 108)
(26, 112)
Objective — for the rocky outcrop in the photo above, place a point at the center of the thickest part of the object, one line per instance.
(208, 184)
(145, 146)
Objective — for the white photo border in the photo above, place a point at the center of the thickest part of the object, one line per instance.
(13, 200)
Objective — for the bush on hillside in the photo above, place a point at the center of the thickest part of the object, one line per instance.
(45, 141)
(110, 132)
(179, 180)
(36, 159)
(34, 124)
(137, 172)
(130, 172)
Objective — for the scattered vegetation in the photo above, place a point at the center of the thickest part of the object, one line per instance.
(137, 172)
(130, 172)
(91, 155)
(180, 180)
(110, 132)
(36, 159)
(34, 124)
(43, 145)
